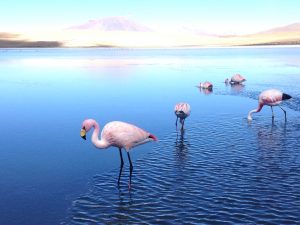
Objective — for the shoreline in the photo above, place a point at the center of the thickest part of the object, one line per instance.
(155, 48)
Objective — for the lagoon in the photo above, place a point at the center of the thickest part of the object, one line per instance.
(220, 169)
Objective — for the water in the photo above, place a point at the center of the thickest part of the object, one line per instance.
(220, 170)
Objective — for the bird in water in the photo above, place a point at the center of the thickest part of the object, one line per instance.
(182, 111)
(235, 79)
(117, 134)
(271, 97)
(206, 85)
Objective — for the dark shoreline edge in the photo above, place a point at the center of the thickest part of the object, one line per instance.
(30, 44)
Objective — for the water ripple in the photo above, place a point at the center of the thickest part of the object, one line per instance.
(197, 177)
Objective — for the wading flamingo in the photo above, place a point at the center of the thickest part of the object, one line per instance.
(206, 85)
(235, 79)
(182, 111)
(117, 134)
(271, 97)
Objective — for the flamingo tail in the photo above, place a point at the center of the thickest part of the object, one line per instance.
(286, 96)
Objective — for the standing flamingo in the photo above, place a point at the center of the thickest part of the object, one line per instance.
(271, 97)
(117, 134)
(236, 79)
(206, 85)
(182, 111)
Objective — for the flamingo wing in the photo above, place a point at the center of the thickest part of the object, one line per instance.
(125, 135)
(271, 97)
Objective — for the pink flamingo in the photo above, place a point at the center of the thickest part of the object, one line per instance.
(182, 111)
(117, 134)
(236, 79)
(271, 97)
(206, 85)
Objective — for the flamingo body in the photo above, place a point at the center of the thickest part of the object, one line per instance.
(125, 135)
(182, 111)
(206, 85)
(271, 97)
(117, 134)
(237, 79)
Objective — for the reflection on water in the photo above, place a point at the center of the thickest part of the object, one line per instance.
(206, 91)
(181, 147)
(236, 88)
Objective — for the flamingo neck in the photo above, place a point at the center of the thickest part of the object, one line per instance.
(255, 111)
(99, 143)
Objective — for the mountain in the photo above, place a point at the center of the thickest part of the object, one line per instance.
(122, 32)
(112, 24)
(284, 35)
(295, 27)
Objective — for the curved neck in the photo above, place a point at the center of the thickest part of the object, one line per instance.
(255, 111)
(95, 137)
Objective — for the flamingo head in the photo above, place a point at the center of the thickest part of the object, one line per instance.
(86, 126)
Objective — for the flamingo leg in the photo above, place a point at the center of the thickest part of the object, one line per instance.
(121, 166)
(131, 169)
(176, 121)
(284, 112)
(182, 124)
(272, 113)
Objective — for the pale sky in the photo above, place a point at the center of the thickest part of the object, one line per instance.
(213, 16)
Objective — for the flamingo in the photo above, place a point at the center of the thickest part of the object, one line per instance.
(117, 134)
(236, 79)
(182, 111)
(271, 97)
(206, 85)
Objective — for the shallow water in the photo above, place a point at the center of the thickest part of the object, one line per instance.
(220, 169)
(245, 177)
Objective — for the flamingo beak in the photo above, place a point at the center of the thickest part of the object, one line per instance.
(83, 133)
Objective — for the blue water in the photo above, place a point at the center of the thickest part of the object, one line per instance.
(221, 169)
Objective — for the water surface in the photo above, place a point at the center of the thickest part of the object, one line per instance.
(221, 169)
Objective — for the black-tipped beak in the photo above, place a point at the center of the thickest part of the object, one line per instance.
(83, 133)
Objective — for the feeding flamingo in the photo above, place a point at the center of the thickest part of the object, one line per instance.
(206, 85)
(117, 134)
(182, 111)
(271, 97)
(236, 79)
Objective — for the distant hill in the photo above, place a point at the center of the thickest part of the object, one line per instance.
(295, 27)
(285, 35)
(113, 24)
(29, 44)
(12, 40)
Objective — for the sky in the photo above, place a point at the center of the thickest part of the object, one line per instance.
(212, 16)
